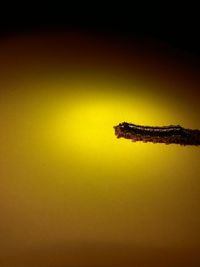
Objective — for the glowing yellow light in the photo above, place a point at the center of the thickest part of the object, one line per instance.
(65, 177)
(82, 129)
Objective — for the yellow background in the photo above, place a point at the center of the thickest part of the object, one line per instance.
(71, 193)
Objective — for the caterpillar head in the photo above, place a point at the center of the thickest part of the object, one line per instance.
(121, 129)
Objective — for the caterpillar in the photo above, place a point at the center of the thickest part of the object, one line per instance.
(172, 134)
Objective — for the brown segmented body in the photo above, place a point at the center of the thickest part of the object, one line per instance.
(172, 134)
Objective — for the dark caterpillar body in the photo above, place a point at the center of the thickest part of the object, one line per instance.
(172, 134)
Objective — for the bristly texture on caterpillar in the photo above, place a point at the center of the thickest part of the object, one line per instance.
(172, 134)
